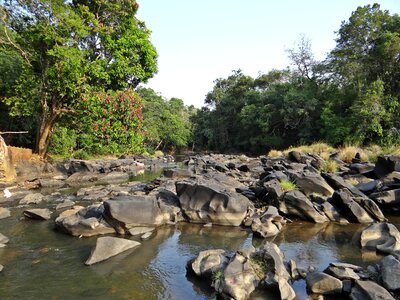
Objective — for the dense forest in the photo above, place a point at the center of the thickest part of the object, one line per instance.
(71, 74)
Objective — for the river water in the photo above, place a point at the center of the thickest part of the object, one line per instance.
(41, 263)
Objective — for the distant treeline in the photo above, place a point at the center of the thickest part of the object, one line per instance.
(350, 97)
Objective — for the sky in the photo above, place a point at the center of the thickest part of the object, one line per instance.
(198, 41)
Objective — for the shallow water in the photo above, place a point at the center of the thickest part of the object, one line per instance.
(41, 263)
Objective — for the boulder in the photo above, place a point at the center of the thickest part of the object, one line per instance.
(4, 213)
(390, 273)
(369, 290)
(342, 273)
(332, 213)
(86, 222)
(212, 202)
(309, 183)
(387, 198)
(369, 187)
(386, 164)
(176, 173)
(107, 247)
(383, 237)
(81, 178)
(65, 204)
(321, 283)
(35, 198)
(343, 200)
(297, 204)
(210, 264)
(239, 279)
(38, 213)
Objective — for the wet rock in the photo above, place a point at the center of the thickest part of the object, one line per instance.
(209, 264)
(210, 201)
(65, 204)
(38, 213)
(4, 213)
(79, 178)
(383, 237)
(321, 283)
(310, 183)
(35, 198)
(239, 278)
(51, 182)
(88, 221)
(343, 200)
(369, 290)
(390, 273)
(107, 247)
(141, 230)
(332, 213)
(297, 204)
(114, 176)
(147, 235)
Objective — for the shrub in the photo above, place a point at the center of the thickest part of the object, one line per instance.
(63, 141)
(330, 166)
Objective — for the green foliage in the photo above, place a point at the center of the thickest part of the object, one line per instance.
(63, 141)
(287, 185)
(217, 275)
(165, 122)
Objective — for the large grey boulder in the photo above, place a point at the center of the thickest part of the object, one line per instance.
(125, 212)
(211, 201)
(390, 273)
(297, 204)
(309, 183)
(107, 247)
(383, 237)
(370, 290)
(343, 200)
(210, 264)
(269, 224)
(332, 213)
(38, 213)
(88, 221)
(322, 283)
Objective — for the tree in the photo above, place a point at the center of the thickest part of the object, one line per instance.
(72, 49)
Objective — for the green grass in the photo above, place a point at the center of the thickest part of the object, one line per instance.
(287, 185)
(330, 166)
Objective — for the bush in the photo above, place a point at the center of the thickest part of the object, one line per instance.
(63, 141)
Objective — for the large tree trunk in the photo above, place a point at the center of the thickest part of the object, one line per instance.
(46, 125)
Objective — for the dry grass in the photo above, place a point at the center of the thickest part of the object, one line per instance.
(275, 153)
(316, 148)
(330, 166)
(347, 153)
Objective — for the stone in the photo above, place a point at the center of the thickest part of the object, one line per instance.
(343, 200)
(342, 273)
(3, 240)
(264, 229)
(310, 183)
(4, 213)
(297, 204)
(386, 164)
(387, 198)
(209, 262)
(176, 173)
(35, 198)
(65, 204)
(38, 213)
(369, 187)
(383, 237)
(141, 230)
(369, 290)
(88, 221)
(390, 273)
(212, 202)
(147, 235)
(321, 283)
(80, 178)
(107, 247)
(332, 213)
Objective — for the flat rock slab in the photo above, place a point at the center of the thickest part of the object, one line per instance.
(141, 230)
(65, 204)
(38, 213)
(107, 247)
(32, 199)
(4, 213)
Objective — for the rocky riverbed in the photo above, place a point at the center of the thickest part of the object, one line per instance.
(227, 194)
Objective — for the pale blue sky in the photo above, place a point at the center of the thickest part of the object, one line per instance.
(200, 41)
